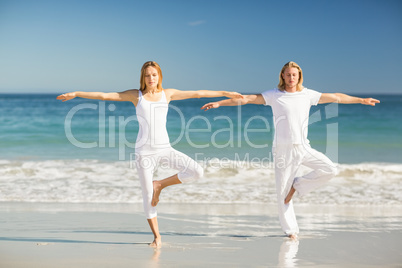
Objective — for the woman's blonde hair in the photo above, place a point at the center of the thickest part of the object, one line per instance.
(142, 79)
(290, 64)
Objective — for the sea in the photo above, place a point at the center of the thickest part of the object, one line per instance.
(82, 151)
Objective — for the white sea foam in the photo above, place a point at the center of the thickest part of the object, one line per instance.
(91, 181)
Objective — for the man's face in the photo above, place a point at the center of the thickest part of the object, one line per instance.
(291, 77)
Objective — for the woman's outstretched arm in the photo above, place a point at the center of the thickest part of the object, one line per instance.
(175, 94)
(128, 95)
(346, 99)
(247, 99)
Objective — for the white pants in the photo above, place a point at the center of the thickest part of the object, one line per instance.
(189, 170)
(288, 159)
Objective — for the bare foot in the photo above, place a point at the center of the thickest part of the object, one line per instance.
(293, 237)
(290, 195)
(157, 243)
(157, 191)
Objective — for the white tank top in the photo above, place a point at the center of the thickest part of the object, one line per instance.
(152, 135)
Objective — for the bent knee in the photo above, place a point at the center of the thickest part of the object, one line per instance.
(331, 171)
(194, 174)
(198, 173)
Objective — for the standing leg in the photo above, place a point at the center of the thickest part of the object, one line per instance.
(153, 224)
(287, 161)
(145, 169)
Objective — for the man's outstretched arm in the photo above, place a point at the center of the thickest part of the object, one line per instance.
(346, 99)
(247, 99)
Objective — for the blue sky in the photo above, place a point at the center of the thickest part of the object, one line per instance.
(58, 46)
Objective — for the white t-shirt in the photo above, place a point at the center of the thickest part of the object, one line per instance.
(291, 114)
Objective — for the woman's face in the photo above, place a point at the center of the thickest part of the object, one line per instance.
(151, 77)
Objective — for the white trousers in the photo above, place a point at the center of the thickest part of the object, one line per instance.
(288, 159)
(189, 170)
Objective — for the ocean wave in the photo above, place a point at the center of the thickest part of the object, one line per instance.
(225, 181)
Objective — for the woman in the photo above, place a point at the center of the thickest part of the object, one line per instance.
(152, 145)
(291, 104)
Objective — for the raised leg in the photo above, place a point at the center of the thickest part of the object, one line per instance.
(290, 195)
(160, 185)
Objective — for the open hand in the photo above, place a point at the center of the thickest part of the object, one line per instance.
(66, 96)
(370, 101)
(210, 106)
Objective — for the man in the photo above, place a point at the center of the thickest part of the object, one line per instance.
(291, 104)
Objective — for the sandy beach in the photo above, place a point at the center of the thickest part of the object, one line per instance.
(82, 207)
(201, 235)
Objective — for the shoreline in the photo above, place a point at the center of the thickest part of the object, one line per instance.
(197, 235)
(367, 210)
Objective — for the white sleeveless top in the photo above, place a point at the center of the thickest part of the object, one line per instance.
(152, 135)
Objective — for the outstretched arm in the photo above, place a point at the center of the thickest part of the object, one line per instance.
(175, 94)
(128, 95)
(346, 99)
(247, 99)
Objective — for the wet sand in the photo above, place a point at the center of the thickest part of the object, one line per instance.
(200, 235)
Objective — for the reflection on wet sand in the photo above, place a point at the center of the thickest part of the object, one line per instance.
(287, 253)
